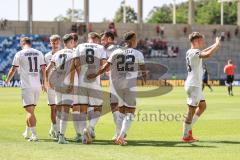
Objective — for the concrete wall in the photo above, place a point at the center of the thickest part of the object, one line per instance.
(148, 30)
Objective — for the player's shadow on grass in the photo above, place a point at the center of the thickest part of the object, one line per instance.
(223, 142)
(154, 143)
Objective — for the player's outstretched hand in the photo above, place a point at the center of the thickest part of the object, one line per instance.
(91, 76)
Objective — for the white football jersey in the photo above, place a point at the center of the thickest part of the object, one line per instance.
(62, 60)
(110, 49)
(194, 68)
(48, 57)
(29, 62)
(124, 67)
(90, 55)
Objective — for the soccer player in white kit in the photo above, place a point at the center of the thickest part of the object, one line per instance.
(62, 63)
(107, 40)
(195, 101)
(88, 58)
(29, 62)
(55, 42)
(75, 106)
(124, 64)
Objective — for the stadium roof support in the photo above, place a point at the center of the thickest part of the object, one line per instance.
(174, 12)
(191, 12)
(140, 11)
(30, 17)
(86, 13)
(238, 13)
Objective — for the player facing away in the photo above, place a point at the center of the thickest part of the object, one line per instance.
(205, 78)
(124, 64)
(107, 40)
(75, 107)
(229, 71)
(193, 84)
(61, 61)
(89, 57)
(55, 42)
(29, 62)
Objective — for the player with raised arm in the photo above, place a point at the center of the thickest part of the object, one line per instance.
(193, 84)
(124, 64)
(29, 62)
(61, 61)
(88, 58)
(55, 42)
(107, 40)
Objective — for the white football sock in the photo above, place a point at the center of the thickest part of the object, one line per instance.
(58, 117)
(115, 116)
(33, 130)
(126, 123)
(54, 126)
(27, 130)
(186, 128)
(63, 122)
(76, 121)
(94, 119)
(118, 118)
(83, 121)
(194, 120)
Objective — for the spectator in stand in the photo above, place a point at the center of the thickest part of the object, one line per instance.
(162, 31)
(222, 36)
(90, 27)
(228, 35)
(185, 31)
(112, 28)
(214, 32)
(236, 31)
(158, 30)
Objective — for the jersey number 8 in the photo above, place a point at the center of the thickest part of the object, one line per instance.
(89, 56)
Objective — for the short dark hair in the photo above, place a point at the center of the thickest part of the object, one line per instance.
(26, 40)
(195, 35)
(67, 37)
(94, 35)
(108, 34)
(75, 36)
(129, 36)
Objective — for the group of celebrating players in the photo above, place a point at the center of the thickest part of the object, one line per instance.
(72, 81)
(80, 65)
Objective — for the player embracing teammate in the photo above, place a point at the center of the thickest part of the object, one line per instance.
(124, 64)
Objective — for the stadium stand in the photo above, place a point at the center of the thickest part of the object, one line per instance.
(9, 45)
(168, 51)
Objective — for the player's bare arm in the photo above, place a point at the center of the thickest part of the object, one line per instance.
(72, 74)
(43, 69)
(208, 52)
(144, 73)
(105, 68)
(77, 65)
(11, 73)
(48, 70)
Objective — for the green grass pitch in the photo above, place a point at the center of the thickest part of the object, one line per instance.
(148, 138)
